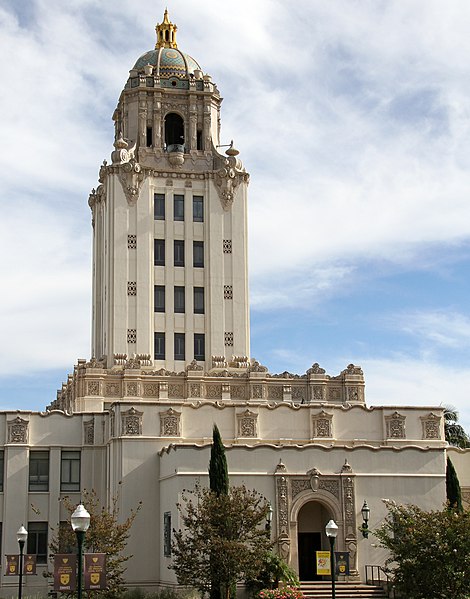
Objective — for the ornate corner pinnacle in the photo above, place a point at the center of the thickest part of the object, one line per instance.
(227, 180)
(131, 177)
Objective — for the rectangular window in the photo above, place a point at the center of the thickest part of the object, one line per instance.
(2, 467)
(199, 347)
(37, 541)
(198, 209)
(179, 252)
(159, 252)
(178, 207)
(198, 254)
(39, 471)
(179, 346)
(70, 471)
(198, 300)
(159, 298)
(159, 346)
(179, 300)
(159, 206)
(167, 534)
(149, 137)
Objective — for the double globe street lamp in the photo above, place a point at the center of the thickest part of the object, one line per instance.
(80, 523)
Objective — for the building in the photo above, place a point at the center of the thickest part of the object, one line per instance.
(171, 357)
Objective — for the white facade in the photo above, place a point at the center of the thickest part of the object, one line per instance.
(139, 415)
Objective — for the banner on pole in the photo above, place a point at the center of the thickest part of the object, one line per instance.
(65, 572)
(29, 567)
(342, 563)
(323, 563)
(13, 566)
(95, 571)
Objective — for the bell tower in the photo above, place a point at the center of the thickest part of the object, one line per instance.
(170, 280)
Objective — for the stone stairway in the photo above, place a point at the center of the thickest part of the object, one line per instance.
(344, 590)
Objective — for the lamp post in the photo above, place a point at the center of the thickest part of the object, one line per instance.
(365, 511)
(269, 517)
(80, 522)
(21, 537)
(331, 532)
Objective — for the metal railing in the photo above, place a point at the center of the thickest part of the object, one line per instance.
(376, 575)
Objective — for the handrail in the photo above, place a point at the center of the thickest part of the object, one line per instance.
(376, 575)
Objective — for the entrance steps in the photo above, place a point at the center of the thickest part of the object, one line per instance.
(321, 589)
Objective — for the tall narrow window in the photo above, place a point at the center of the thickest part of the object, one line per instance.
(70, 471)
(179, 346)
(2, 467)
(149, 137)
(159, 206)
(39, 471)
(179, 304)
(198, 209)
(198, 300)
(179, 252)
(199, 347)
(198, 254)
(199, 139)
(178, 207)
(159, 252)
(159, 298)
(37, 541)
(159, 346)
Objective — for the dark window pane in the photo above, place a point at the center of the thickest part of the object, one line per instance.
(179, 300)
(159, 252)
(2, 466)
(179, 346)
(70, 471)
(149, 137)
(198, 300)
(178, 206)
(37, 540)
(159, 346)
(39, 471)
(159, 298)
(159, 206)
(198, 254)
(198, 209)
(179, 252)
(199, 347)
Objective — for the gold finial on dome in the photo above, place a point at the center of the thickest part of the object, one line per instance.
(166, 33)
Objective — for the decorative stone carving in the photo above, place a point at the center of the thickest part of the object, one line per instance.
(282, 500)
(228, 339)
(18, 430)
(131, 288)
(275, 392)
(329, 485)
(299, 485)
(194, 366)
(131, 178)
(119, 359)
(219, 362)
(132, 389)
(93, 388)
(352, 369)
(237, 392)
(228, 178)
(112, 424)
(431, 426)
(349, 521)
(131, 336)
(175, 391)
(257, 391)
(227, 245)
(132, 242)
(317, 393)
(214, 391)
(247, 424)
(239, 361)
(299, 394)
(228, 292)
(170, 423)
(395, 426)
(334, 394)
(315, 369)
(112, 390)
(255, 366)
(151, 390)
(354, 393)
(89, 432)
(194, 390)
(322, 424)
(131, 422)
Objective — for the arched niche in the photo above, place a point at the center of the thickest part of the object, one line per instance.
(174, 132)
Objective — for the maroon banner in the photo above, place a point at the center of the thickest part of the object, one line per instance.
(29, 566)
(13, 565)
(65, 572)
(95, 571)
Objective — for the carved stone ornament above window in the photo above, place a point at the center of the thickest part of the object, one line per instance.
(395, 426)
(89, 430)
(18, 430)
(247, 424)
(322, 425)
(170, 421)
(431, 426)
(131, 422)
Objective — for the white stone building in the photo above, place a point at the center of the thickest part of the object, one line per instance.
(171, 357)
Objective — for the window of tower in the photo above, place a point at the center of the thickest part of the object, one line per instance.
(199, 347)
(179, 346)
(149, 137)
(174, 133)
(198, 254)
(199, 139)
(159, 343)
(178, 248)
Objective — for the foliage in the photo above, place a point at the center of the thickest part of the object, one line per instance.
(282, 593)
(273, 571)
(223, 539)
(105, 535)
(430, 551)
(170, 593)
(218, 472)
(454, 433)
(453, 492)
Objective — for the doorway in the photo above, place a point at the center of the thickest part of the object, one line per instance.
(308, 544)
(311, 538)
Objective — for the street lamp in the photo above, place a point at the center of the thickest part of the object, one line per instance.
(331, 532)
(269, 517)
(80, 522)
(365, 511)
(21, 537)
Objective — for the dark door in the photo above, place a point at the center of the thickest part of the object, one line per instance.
(308, 544)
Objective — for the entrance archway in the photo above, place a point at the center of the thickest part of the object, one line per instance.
(311, 522)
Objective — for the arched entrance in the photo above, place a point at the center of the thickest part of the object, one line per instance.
(311, 522)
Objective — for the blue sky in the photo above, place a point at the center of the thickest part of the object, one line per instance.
(353, 119)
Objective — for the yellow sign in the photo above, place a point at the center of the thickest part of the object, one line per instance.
(323, 563)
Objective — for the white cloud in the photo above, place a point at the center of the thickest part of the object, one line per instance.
(442, 327)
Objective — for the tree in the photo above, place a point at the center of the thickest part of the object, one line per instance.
(223, 540)
(218, 472)
(453, 492)
(273, 571)
(454, 433)
(430, 551)
(105, 535)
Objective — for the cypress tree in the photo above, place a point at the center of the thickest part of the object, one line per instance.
(218, 472)
(453, 492)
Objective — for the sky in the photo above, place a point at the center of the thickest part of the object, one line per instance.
(352, 118)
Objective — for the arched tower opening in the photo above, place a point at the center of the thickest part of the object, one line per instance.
(174, 132)
(312, 519)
